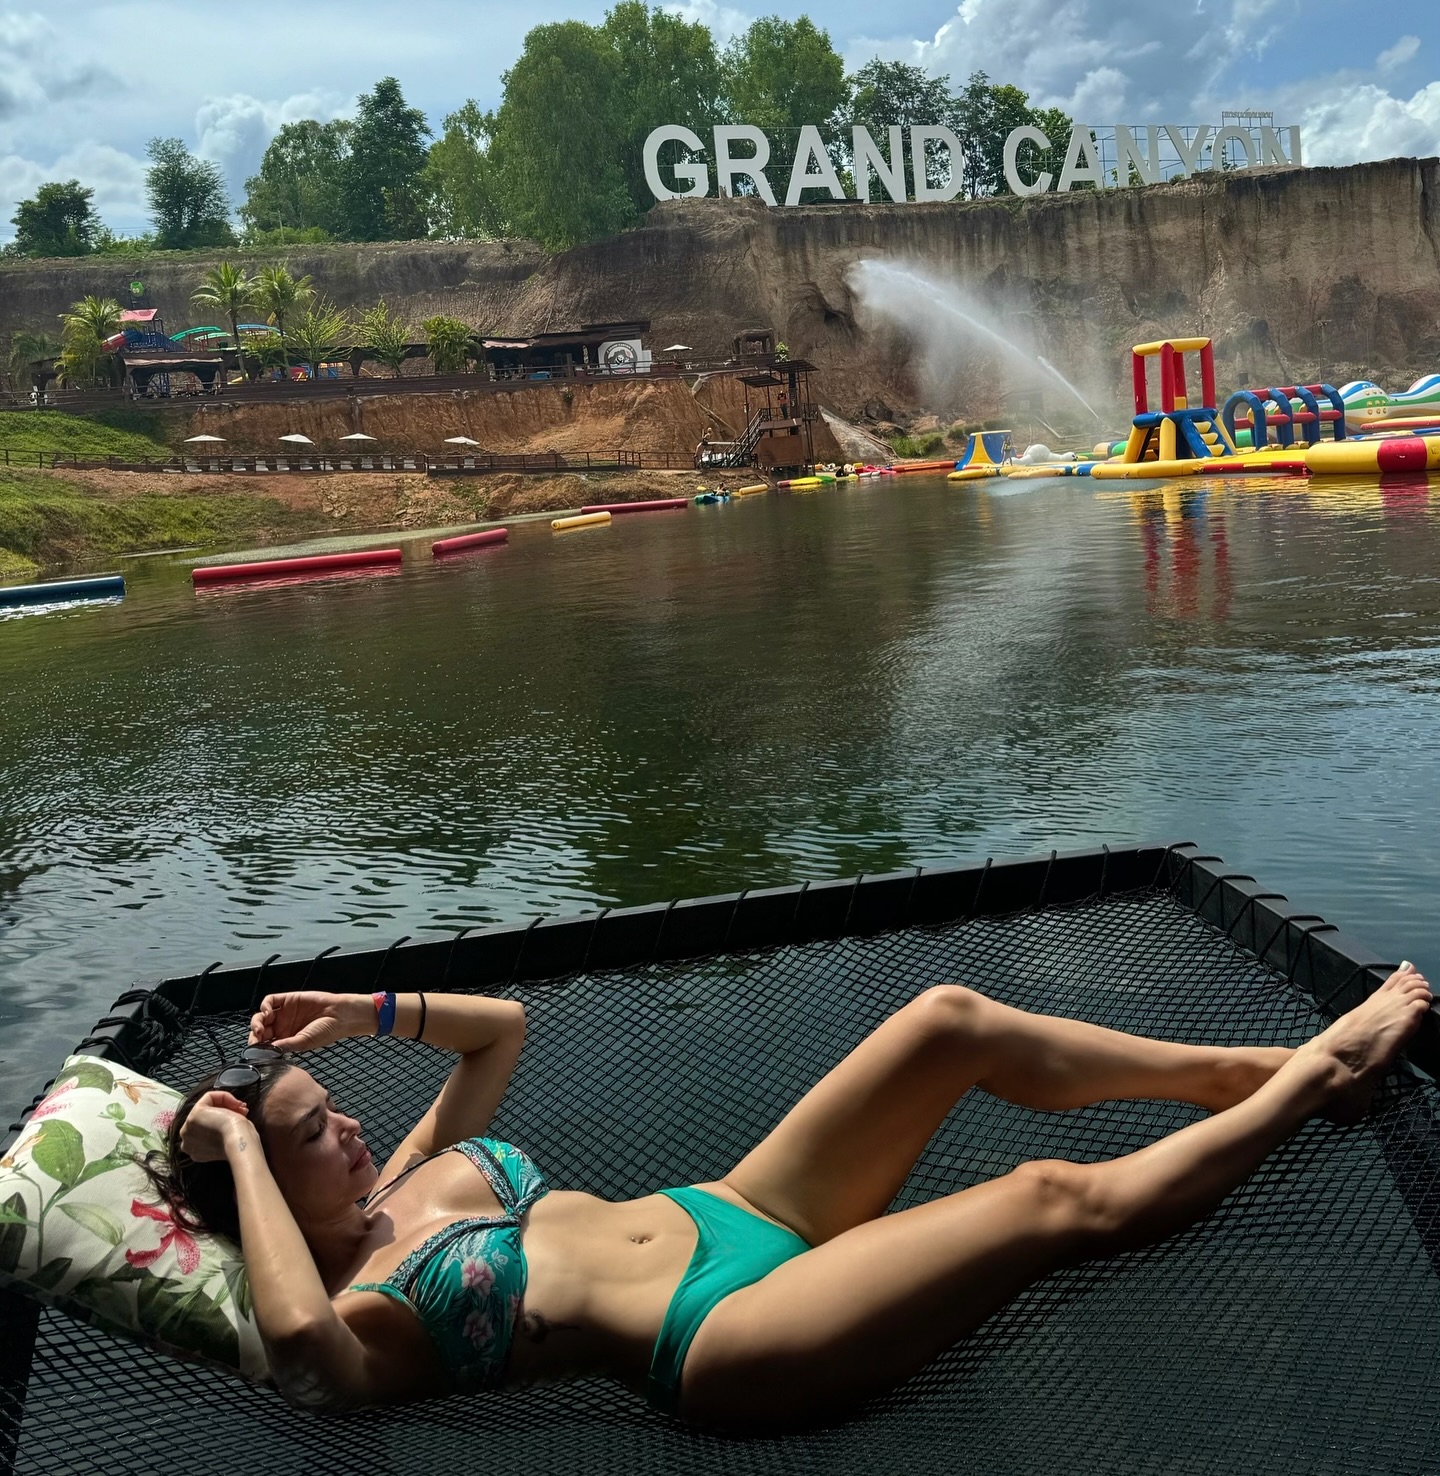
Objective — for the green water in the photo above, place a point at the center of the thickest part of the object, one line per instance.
(892, 673)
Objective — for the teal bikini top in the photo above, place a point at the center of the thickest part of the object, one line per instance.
(466, 1281)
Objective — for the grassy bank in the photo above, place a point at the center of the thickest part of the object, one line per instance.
(132, 434)
(47, 522)
(59, 520)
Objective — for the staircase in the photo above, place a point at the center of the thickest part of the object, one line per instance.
(1204, 439)
(735, 453)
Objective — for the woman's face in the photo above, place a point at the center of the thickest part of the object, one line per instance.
(315, 1151)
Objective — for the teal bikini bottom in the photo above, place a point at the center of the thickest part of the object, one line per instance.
(735, 1248)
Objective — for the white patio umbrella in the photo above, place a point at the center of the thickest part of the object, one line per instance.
(357, 436)
(460, 441)
(677, 348)
(298, 439)
(190, 440)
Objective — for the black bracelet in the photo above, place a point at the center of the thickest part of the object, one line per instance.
(420, 1032)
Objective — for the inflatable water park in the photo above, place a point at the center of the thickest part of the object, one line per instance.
(1302, 430)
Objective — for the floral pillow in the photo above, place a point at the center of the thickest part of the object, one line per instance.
(82, 1229)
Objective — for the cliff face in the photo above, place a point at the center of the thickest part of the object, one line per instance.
(1298, 274)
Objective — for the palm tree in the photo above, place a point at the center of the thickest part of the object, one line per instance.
(87, 325)
(26, 350)
(279, 295)
(266, 351)
(318, 334)
(385, 335)
(231, 290)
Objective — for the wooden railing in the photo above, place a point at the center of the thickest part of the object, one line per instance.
(435, 465)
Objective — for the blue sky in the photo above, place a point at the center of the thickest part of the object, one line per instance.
(85, 83)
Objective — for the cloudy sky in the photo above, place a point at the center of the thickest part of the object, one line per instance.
(85, 83)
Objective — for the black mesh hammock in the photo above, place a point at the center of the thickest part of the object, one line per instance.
(1297, 1329)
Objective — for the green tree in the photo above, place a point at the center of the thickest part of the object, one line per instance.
(885, 93)
(27, 350)
(84, 330)
(780, 75)
(58, 221)
(264, 351)
(229, 290)
(460, 179)
(562, 89)
(297, 191)
(610, 85)
(384, 335)
(667, 71)
(988, 113)
(318, 334)
(449, 342)
(280, 296)
(382, 193)
(187, 198)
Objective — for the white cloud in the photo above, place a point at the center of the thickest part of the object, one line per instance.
(234, 130)
(723, 21)
(35, 72)
(1359, 121)
(117, 178)
(1397, 55)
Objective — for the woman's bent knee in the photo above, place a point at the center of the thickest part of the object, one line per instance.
(1069, 1201)
(948, 1009)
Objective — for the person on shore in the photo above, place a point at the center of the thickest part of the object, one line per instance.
(775, 1297)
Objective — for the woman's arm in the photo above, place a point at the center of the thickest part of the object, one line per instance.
(316, 1359)
(488, 1034)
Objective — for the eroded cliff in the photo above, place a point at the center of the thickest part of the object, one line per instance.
(1298, 274)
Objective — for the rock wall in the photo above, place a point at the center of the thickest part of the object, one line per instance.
(1299, 274)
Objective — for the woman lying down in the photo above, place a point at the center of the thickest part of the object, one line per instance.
(776, 1296)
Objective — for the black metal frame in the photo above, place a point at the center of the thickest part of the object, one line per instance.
(1314, 955)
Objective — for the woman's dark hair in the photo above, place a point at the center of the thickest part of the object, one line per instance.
(201, 1196)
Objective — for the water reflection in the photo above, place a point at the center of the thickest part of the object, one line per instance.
(878, 676)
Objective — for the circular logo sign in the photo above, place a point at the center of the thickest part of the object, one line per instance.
(620, 356)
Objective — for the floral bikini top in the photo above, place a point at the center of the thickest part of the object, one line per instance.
(465, 1282)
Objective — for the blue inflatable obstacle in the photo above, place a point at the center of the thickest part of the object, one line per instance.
(104, 587)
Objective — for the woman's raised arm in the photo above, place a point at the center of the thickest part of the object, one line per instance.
(487, 1033)
(316, 1359)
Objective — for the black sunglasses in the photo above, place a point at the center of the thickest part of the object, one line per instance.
(243, 1075)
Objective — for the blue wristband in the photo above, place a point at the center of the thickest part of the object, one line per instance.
(384, 1012)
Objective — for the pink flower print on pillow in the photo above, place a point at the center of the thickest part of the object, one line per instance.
(187, 1252)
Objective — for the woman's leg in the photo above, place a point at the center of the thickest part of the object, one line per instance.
(839, 1156)
(859, 1314)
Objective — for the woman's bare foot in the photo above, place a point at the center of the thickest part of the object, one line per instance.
(1354, 1053)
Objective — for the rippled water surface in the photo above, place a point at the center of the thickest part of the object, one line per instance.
(888, 674)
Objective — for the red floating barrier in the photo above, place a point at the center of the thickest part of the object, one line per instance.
(658, 504)
(465, 541)
(309, 564)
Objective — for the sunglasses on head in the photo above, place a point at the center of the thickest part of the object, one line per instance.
(244, 1074)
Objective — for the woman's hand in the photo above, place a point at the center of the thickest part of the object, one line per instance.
(211, 1121)
(309, 1020)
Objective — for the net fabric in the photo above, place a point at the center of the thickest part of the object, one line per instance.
(1299, 1327)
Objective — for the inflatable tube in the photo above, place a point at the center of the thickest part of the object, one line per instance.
(750, 491)
(103, 587)
(488, 539)
(310, 564)
(580, 520)
(973, 474)
(1378, 454)
(924, 466)
(656, 504)
(799, 482)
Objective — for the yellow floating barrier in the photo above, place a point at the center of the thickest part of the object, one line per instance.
(749, 491)
(579, 520)
(799, 483)
(974, 473)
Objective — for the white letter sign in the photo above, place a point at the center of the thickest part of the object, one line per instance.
(697, 174)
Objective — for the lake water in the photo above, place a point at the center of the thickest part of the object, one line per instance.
(876, 675)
